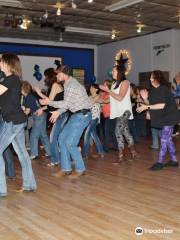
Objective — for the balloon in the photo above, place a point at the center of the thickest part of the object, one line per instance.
(37, 74)
(94, 79)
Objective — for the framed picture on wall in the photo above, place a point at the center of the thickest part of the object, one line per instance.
(79, 74)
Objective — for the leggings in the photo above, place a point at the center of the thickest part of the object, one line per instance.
(122, 131)
(167, 144)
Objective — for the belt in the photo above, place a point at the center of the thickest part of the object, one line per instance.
(83, 111)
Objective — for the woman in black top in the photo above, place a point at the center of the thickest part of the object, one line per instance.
(12, 129)
(55, 93)
(164, 114)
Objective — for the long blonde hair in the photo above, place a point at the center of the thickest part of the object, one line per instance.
(13, 62)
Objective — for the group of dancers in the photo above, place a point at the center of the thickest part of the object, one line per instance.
(74, 111)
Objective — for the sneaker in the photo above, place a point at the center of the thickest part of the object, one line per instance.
(156, 166)
(153, 148)
(33, 157)
(175, 134)
(22, 190)
(171, 164)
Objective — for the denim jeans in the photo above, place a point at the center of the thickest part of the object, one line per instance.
(109, 132)
(55, 133)
(133, 130)
(91, 132)
(141, 124)
(156, 135)
(8, 158)
(39, 131)
(9, 163)
(69, 140)
(11, 133)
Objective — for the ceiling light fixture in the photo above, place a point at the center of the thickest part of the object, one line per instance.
(140, 27)
(88, 31)
(113, 35)
(90, 1)
(11, 3)
(45, 16)
(58, 12)
(121, 4)
(25, 24)
(74, 5)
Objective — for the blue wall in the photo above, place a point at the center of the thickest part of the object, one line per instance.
(74, 57)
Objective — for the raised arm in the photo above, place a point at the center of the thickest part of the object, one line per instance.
(122, 92)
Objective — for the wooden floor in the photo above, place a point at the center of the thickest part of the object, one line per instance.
(108, 203)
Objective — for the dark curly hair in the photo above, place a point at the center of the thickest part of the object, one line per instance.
(159, 77)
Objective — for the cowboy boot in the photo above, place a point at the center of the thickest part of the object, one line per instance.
(134, 154)
(120, 157)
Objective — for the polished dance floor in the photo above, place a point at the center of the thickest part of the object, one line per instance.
(108, 203)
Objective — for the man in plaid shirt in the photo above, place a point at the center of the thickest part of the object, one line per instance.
(77, 101)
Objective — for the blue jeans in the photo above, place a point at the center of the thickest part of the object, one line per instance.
(55, 132)
(109, 134)
(133, 130)
(9, 163)
(11, 133)
(69, 140)
(156, 135)
(39, 131)
(8, 158)
(91, 132)
(140, 121)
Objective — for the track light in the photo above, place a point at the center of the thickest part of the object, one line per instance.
(25, 24)
(140, 27)
(58, 13)
(74, 5)
(45, 16)
(113, 35)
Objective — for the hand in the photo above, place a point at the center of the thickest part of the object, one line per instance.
(44, 101)
(39, 112)
(54, 116)
(144, 94)
(104, 88)
(23, 108)
(142, 108)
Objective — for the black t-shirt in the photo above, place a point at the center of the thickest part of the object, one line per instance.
(11, 101)
(164, 117)
(58, 97)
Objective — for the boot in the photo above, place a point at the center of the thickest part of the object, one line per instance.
(120, 157)
(134, 154)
